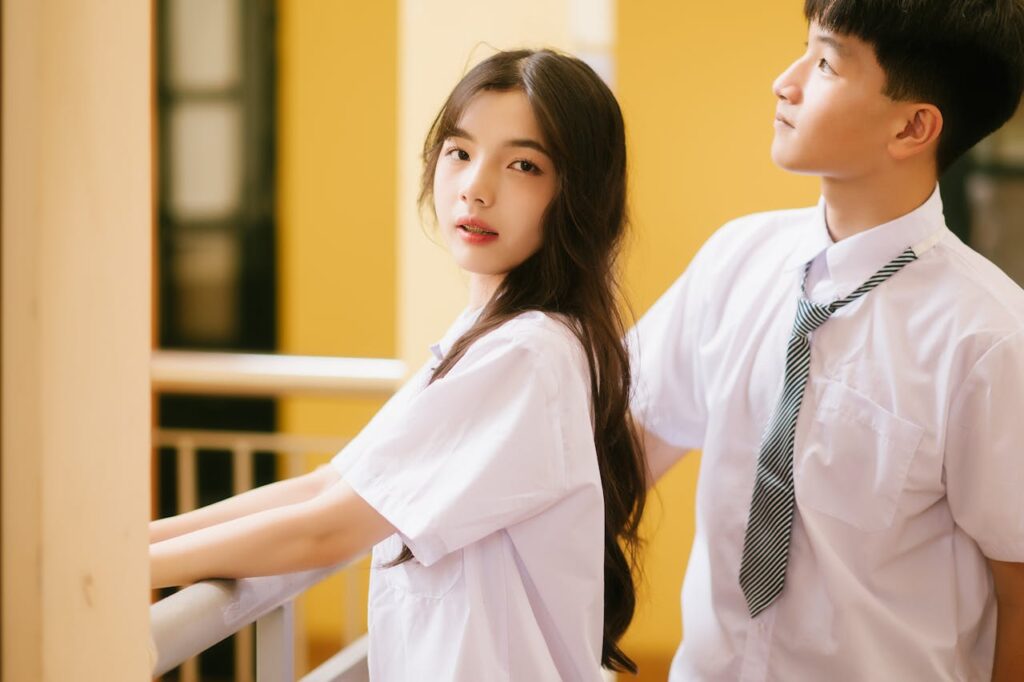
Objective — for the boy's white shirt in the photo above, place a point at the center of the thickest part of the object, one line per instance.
(907, 457)
(490, 476)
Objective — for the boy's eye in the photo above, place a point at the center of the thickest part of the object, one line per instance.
(825, 66)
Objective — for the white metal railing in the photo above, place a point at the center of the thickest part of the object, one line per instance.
(174, 371)
(197, 617)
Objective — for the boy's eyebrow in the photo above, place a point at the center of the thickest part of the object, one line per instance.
(522, 142)
(833, 43)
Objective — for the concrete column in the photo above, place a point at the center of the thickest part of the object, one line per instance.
(76, 320)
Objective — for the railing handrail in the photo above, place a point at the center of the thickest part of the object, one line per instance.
(175, 371)
(195, 618)
(251, 441)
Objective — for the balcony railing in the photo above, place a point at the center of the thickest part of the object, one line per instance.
(197, 617)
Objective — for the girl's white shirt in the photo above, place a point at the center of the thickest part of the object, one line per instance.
(490, 476)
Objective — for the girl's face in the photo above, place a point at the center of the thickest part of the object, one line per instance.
(493, 182)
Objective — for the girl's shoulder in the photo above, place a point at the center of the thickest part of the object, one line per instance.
(545, 339)
(551, 331)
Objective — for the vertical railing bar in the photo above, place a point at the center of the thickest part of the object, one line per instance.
(243, 655)
(352, 620)
(301, 653)
(241, 467)
(274, 653)
(186, 475)
(186, 466)
(296, 467)
(241, 480)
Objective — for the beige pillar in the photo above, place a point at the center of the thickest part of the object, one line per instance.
(76, 270)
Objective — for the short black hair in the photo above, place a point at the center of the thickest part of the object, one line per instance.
(964, 56)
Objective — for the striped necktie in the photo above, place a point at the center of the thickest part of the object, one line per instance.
(770, 524)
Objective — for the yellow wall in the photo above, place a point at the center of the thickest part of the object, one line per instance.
(336, 221)
(694, 80)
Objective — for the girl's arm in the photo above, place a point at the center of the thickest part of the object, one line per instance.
(279, 494)
(332, 527)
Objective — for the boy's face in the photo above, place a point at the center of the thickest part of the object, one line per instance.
(832, 118)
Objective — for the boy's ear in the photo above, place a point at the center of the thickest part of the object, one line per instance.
(921, 127)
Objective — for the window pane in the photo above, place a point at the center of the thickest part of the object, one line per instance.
(203, 37)
(205, 275)
(205, 177)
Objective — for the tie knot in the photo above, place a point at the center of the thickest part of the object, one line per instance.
(809, 316)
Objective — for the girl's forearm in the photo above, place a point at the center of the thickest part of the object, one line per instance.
(334, 526)
(290, 491)
(269, 542)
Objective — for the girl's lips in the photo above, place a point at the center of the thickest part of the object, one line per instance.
(473, 235)
(474, 224)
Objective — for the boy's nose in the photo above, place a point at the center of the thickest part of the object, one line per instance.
(786, 87)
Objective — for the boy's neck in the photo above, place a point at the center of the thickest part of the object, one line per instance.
(857, 205)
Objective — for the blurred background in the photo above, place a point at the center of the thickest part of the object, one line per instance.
(288, 136)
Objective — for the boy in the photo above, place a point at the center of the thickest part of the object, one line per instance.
(860, 507)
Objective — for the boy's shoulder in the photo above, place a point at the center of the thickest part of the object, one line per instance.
(770, 220)
(986, 296)
(764, 237)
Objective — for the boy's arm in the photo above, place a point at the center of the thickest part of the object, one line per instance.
(659, 454)
(328, 529)
(983, 468)
(277, 494)
(1009, 588)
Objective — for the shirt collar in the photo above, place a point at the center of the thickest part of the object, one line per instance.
(459, 327)
(813, 242)
(854, 259)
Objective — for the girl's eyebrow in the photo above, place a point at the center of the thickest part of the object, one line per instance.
(519, 142)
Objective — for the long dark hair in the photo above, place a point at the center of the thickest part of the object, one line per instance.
(573, 273)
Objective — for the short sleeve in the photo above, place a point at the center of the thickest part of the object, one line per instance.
(668, 397)
(984, 448)
(477, 450)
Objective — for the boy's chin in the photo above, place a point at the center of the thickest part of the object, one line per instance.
(793, 164)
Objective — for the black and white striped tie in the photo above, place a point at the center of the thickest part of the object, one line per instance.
(770, 524)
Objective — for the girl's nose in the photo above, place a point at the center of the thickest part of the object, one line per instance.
(478, 188)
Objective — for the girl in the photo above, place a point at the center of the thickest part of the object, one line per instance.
(503, 484)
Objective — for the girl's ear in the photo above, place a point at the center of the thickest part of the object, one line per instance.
(919, 131)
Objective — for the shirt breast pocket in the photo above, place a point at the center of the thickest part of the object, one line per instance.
(412, 577)
(855, 458)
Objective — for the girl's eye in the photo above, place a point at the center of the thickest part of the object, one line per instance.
(825, 66)
(526, 166)
(456, 153)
